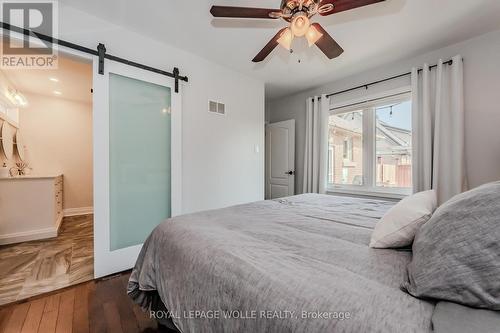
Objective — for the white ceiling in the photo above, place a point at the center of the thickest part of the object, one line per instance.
(73, 76)
(371, 36)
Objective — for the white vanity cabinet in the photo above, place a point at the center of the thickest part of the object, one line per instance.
(31, 207)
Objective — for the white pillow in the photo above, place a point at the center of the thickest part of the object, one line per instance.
(398, 226)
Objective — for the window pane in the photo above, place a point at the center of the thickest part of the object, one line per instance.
(393, 146)
(345, 149)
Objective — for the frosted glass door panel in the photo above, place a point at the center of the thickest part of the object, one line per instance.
(139, 157)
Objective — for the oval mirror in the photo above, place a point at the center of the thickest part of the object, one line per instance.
(20, 146)
(7, 140)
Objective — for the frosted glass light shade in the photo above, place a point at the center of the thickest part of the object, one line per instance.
(286, 39)
(313, 35)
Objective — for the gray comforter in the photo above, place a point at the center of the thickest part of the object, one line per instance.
(299, 264)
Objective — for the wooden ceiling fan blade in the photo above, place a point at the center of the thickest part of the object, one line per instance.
(327, 44)
(343, 5)
(243, 12)
(270, 46)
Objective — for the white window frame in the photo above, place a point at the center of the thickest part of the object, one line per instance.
(369, 103)
(348, 153)
(331, 159)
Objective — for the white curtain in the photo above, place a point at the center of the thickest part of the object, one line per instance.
(316, 145)
(438, 129)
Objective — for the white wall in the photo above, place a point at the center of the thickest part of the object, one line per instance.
(57, 134)
(220, 165)
(482, 107)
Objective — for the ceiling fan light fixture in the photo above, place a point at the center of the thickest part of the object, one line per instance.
(286, 39)
(313, 35)
(298, 15)
(300, 24)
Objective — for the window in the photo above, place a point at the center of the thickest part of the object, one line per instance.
(369, 146)
(346, 143)
(393, 145)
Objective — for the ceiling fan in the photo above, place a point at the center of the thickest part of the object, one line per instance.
(297, 13)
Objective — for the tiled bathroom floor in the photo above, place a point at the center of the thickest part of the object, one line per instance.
(31, 268)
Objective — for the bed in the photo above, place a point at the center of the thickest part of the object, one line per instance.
(298, 264)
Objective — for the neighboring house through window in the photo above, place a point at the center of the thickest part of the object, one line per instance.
(346, 141)
(370, 146)
(348, 148)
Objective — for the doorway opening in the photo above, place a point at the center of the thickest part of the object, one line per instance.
(46, 178)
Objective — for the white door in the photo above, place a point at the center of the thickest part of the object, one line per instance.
(280, 159)
(137, 161)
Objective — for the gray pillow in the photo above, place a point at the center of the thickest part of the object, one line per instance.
(456, 254)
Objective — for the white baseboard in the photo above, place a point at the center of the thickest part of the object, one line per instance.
(31, 235)
(78, 211)
(25, 236)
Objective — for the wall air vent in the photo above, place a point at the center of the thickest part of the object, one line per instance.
(216, 107)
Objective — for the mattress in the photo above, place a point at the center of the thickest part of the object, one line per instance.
(298, 264)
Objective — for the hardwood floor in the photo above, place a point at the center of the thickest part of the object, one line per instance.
(95, 306)
(36, 267)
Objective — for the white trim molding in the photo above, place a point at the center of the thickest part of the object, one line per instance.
(78, 211)
(367, 99)
(31, 235)
(25, 236)
(396, 194)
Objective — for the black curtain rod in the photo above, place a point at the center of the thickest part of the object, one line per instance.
(449, 62)
(84, 49)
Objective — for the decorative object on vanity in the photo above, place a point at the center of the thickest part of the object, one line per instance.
(397, 228)
(21, 169)
(7, 140)
(456, 254)
(298, 14)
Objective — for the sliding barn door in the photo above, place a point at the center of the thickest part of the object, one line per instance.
(137, 171)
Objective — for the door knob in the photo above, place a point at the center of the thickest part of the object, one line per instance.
(291, 173)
